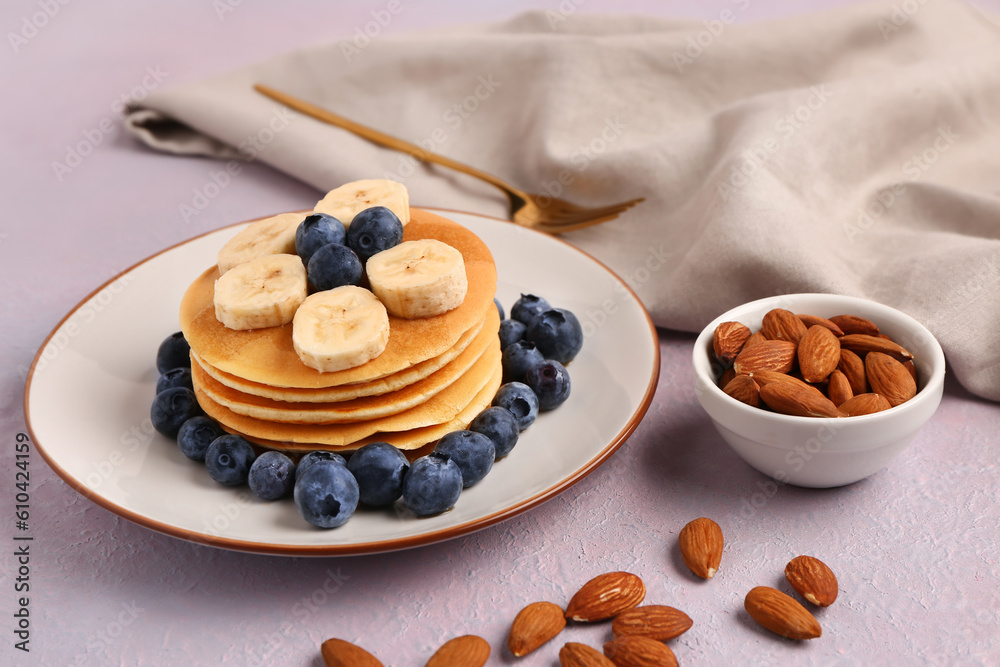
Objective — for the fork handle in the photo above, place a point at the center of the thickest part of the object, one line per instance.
(377, 137)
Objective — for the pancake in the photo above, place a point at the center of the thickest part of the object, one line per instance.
(441, 408)
(346, 392)
(266, 356)
(410, 441)
(358, 409)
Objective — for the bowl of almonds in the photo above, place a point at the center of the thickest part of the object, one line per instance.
(818, 390)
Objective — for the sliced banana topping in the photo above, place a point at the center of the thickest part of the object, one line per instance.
(419, 278)
(270, 236)
(340, 328)
(263, 292)
(350, 199)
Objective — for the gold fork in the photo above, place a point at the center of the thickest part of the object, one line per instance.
(541, 212)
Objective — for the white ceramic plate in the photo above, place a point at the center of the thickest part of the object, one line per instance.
(89, 392)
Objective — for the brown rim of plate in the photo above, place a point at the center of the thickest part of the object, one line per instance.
(382, 546)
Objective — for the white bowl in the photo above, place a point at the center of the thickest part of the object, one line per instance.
(817, 452)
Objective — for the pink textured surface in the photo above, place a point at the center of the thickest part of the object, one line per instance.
(915, 546)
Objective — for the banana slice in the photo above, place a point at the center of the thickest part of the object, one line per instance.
(270, 236)
(340, 328)
(419, 278)
(264, 292)
(349, 199)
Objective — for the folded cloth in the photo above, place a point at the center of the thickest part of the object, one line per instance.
(855, 151)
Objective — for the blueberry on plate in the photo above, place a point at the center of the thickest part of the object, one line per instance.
(379, 468)
(196, 434)
(499, 425)
(517, 358)
(272, 476)
(326, 494)
(520, 400)
(312, 458)
(550, 382)
(557, 334)
(528, 307)
(473, 452)
(175, 377)
(228, 460)
(171, 408)
(432, 485)
(373, 230)
(316, 231)
(511, 331)
(334, 265)
(174, 352)
(496, 302)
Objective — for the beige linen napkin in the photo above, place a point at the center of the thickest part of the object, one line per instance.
(855, 151)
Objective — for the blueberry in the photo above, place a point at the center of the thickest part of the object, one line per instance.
(373, 230)
(228, 460)
(528, 307)
(175, 377)
(326, 494)
(473, 452)
(171, 408)
(511, 331)
(316, 231)
(496, 302)
(379, 468)
(272, 476)
(196, 434)
(315, 457)
(558, 335)
(334, 265)
(520, 400)
(432, 485)
(517, 358)
(174, 352)
(550, 382)
(499, 425)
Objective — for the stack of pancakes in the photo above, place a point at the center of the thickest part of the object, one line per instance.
(435, 375)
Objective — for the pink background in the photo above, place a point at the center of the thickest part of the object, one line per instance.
(915, 545)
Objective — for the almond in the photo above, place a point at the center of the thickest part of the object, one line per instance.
(581, 655)
(340, 653)
(864, 404)
(839, 389)
(654, 621)
(726, 377)
(863, 344)
(770, 355)
(812, 320)
(767, 377)
(912, 368)
(728, 340)
(789, 399)
(852, 324)
(606, 596)
(853, 368)
(889, 378)
(701, 547)
(464, 651)
(533, 626)
(743, 389)
(781, 324)
(781, 614)
(818, 353)
(638, 651)
(756, 337)
(812, 579)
